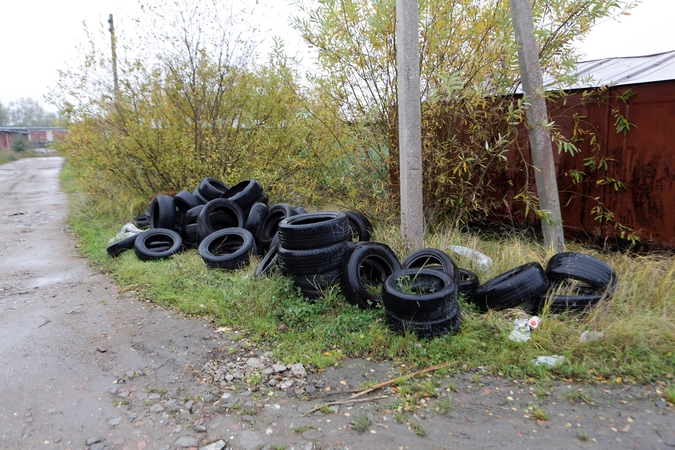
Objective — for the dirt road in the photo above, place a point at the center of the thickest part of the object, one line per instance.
(84, 366)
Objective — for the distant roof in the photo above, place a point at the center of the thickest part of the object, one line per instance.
(622, 71)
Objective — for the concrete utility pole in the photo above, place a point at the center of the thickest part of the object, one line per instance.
(537, 118)
(114, 53)
(409, 123)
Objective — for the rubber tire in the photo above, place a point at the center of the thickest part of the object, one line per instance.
(270, 223)
(366, 261)
(511, 288)
(433, 258)
(305, 262)
(120, 247)
(313, 230)
(211, 189)
(192, 216)
(268, 262)
(253, 220)
(424, 329)
(199, 196)
(299, 210)
(582, 267)
(145, 245)
(420, 307)
(228, 249)
(245, 193)
(142, 221)
(318, 281)
(468, 282)
(192, 233)
(586, 297)
(219, 214)
(361, 229)
(162, 212)
(185, 201)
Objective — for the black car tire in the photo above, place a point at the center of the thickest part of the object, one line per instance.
(228, 248)
(270, 223)
(424, 329)
(219, 214)
(582, 267)
(361, 228)
(366, 263)
(245, 193)
(511, 288)
(303, 262)
(119, 247)
(158, 243)
(211, 189)
(185, 201)
(313, 230)
(437, 299)
(162, 212)
(268, 262)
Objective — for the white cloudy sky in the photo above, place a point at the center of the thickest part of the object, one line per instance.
(39, 36)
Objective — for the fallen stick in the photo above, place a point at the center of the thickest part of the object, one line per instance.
(342, 402)
(380, 386)
(402, 378)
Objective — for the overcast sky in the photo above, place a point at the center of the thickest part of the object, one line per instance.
(39, 36)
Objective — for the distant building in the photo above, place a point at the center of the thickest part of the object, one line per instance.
(35, 137)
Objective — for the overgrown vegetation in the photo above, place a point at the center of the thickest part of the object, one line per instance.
(192, 103)
(637, 321)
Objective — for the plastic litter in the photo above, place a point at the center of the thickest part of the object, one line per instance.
(549, 361)
(522, 328)
(480, 261)
(591, 336)
(128, 230)
(521, 331)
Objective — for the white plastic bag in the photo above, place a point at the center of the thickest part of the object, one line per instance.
(481, 261)
(128, 230)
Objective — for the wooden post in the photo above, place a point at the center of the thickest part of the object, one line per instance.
(114, 53)
(537, 118)
(409, 123)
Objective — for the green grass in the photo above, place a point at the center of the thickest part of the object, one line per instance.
(539, 413)
(361, 423)
(670, 395)
(418, 428)
(639, 333)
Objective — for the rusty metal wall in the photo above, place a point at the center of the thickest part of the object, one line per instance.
(643, 159)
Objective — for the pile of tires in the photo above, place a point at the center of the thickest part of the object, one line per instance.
(226, 224)
(571, 282)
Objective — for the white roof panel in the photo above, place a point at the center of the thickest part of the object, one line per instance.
(622, 71)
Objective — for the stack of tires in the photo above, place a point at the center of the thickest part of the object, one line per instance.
(422, 297)
(311, 248)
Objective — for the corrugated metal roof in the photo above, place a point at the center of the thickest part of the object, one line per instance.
(622, 71)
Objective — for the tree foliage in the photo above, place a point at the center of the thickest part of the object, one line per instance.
(26, 112)
(191, 103)
(468, 66)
